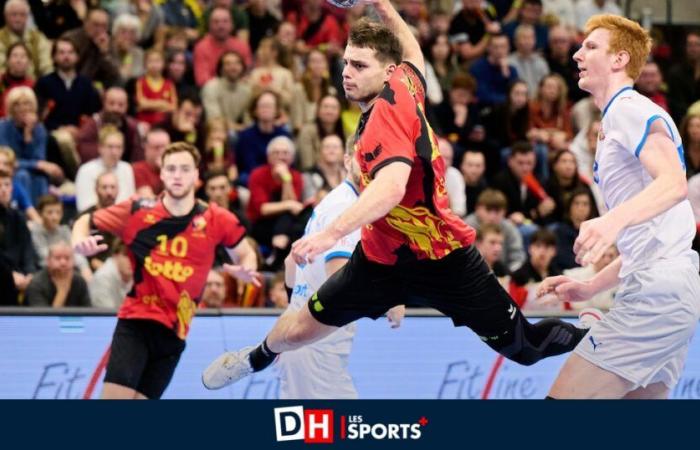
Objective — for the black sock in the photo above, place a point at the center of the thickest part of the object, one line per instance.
(262, 357)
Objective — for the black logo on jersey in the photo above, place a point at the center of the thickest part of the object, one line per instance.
(374, 154)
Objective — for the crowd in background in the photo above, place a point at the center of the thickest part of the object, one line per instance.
(92, 92)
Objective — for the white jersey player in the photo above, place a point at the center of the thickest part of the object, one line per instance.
(638, 349)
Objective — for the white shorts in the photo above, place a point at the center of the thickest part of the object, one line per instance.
(319, 370)
(645, 336)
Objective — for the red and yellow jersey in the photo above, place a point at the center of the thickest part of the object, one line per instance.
(395, 129)
(171, 256)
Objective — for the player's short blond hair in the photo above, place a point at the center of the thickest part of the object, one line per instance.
(625, 35)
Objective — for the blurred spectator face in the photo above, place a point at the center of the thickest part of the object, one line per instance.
(97, 23)
(266, 108)
(116, 101)
(266, 53)
(490, 247)
(530, 13)
(16, 16)
(6, 164)
(518, 95)
(187, 116)
(440, 23)
(232, 67)
(280, 152)
(580, 209)
(179, 174)
(412, 8)
(498, 48)
(473, 166)
(111, 150)
(214, 290)
(559, 41)
(650, 79)
(312, 6)
(329, 110)
(549, 90)
(525, 40)
(5, 191)
(565, 167)
(541, 255)
(441, 48)
(154, 145)
(107, 189)
(592, 135)
(692, 47)
(218, 190)
(220, 24)
(60, 262)
(446, 151)
(177, 67)
(460, 96)
(65, 57)
(608, 257)
(332, 150)
(522, 164)
(18, 62)
(23, 106)
(125, 37)
(491, 216)
(222, 4)
(278, 295)
(51, 216)
(317, 64)
(176, 43)
(155, 64)
(694, 130)
(287, 34)
(473, 5)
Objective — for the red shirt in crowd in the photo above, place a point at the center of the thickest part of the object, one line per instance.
(265, 188)
(208, 51)
(147, 175)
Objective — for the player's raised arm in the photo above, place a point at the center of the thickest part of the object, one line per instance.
(391, 18)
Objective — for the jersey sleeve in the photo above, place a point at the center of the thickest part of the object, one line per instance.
(632, 122)
(114, 218)
(346, 245)
(230, 229)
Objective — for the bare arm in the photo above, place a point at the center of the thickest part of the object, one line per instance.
(391, 18)
(246, 263)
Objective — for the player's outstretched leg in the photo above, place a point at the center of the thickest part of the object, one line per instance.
(292, 330)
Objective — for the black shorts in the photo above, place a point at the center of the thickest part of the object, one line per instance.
(143, 356)
(460, 285)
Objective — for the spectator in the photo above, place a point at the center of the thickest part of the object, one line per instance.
(493, 73)
(107, 190)
(277, 293)
(327, 123)
(603, 300)
(113, 113)
(111, 147)
(269, 74)
(441, 67)
(585, 9)
(690, 134)
(126, 32)
(64, 95)
(55, 17)
(560, 58)
(182, 14)
(113, 280)
(93, 44)
(185, 124)
(316, 84)
(539, 265)
(151, 18)
(527, 200)
(218, 154)
(155, 95)
(227, 96)
(16, 72)
(563, 182)
(58, 285)
(694, 196)
(469, 27)
(531, 66)
(684, 78)
(530, 13)
(179, 70)
(21, 200)
(16, 30)
(219, 190)
(550, 113)
(262, 22)
(454, 181)
(275, 200)
(214, 294)
(583, 147)
(505, 124)
(489, 243)
(251, 148)
(328, 172)
(50, 231)
(17, 254)
(579, 208)
(563, 11)
(147, 172)
(238, 15)
(491, 207)
(215, 43)
(316, 27)
(650, 82)
(26, 136)
(458, 118)
(473, 167)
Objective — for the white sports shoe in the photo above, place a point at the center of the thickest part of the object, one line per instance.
(227, 369)
(588, 316)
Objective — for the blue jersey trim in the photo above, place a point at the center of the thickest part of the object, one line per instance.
(626, 88)
(651, 120)
(335, 255)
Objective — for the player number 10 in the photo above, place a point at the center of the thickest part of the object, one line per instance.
(178, 247)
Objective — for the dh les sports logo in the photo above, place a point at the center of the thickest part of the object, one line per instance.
(316, 426)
